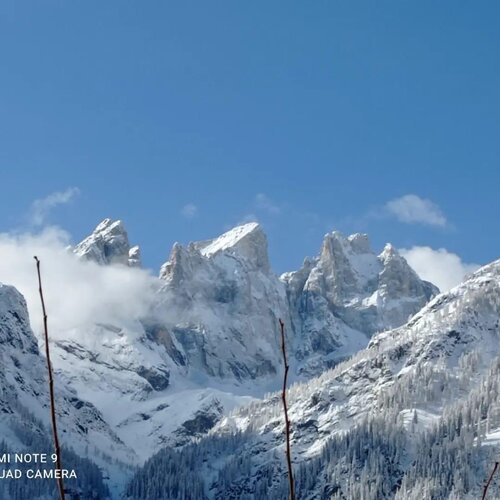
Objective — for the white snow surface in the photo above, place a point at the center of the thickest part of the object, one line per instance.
(492, 438)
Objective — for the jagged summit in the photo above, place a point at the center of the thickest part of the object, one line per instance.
(134, 256)
(335, 302)
(246, 243)
(369, 293)
(350, 261)
(231, 238)
(227, 299)
(389, 252)
(360, 243)
(109, 244)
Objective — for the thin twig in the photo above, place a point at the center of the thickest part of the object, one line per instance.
(60, 482)
(285, 409)
(487, 485)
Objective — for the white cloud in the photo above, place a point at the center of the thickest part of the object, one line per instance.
(77, 293)
(444, 269)
(41, 208)
(412, 209)
(264, 203)
(189, 211)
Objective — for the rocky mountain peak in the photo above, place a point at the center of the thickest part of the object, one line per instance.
(247, 241)
(397, 279)
(111, 226)
(360, 243)
(349, 282)
(109, 244)
(348, 262)
(388, 253)
(246, 244)
(181, 263)
(134, 256)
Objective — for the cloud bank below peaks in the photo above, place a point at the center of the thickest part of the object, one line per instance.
(77, 292)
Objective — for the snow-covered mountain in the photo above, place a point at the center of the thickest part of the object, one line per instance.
(219, 301)
(346, 291)
(208, 340)
(24, 404)
(414, 415)
(211, 334)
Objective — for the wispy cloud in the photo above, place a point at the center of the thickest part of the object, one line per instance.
(441, 267)
(411, 209)
(41, 208)
(264, 203)
(189, 211)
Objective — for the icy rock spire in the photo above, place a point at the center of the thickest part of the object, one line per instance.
(109, 244)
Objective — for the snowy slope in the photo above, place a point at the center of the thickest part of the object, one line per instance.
(24, 399)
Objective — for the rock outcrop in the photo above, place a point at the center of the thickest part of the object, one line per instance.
(109, 244)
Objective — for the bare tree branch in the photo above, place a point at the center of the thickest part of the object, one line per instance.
(487, 485)
(60, 482)
(285, 410)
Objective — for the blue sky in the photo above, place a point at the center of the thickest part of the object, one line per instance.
(185, 118)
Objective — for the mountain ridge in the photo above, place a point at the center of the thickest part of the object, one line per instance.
(209, 341)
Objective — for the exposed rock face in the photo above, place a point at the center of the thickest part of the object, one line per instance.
(349, 289)
(109, 244)
(401, 292)
(24, 399)
(134, 257)
(221, 304)
(200, 423)
(19, 355)
(14, 322)
(223, 299)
